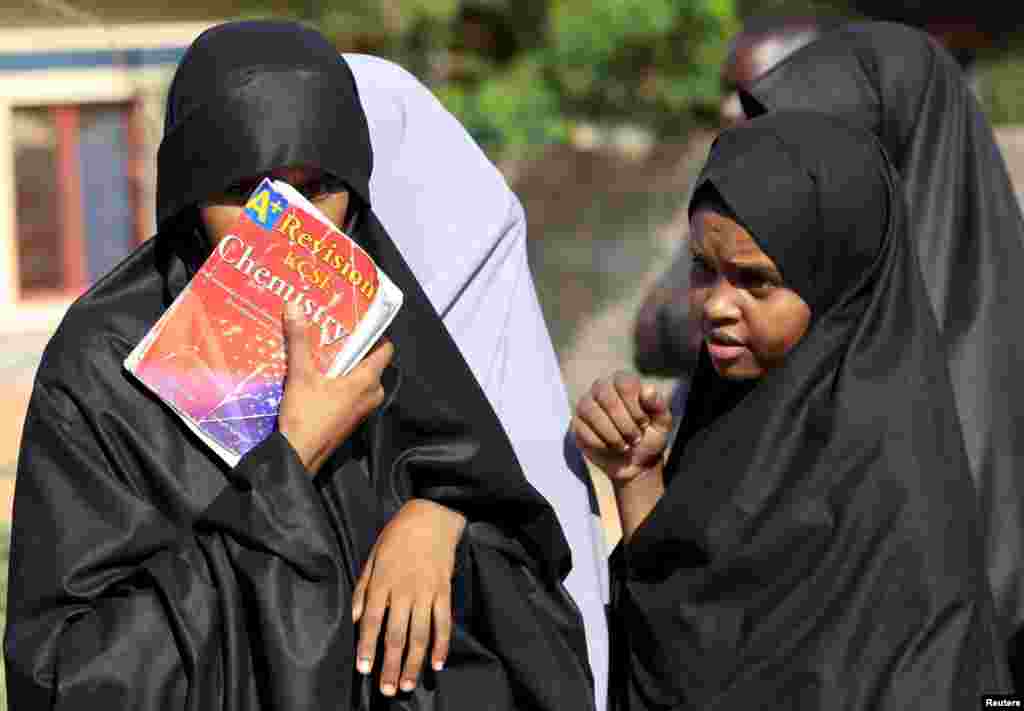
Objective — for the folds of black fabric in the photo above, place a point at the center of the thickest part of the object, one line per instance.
(968, 232)
(818, 542)
(145, 574)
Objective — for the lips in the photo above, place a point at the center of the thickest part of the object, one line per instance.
(724, 347)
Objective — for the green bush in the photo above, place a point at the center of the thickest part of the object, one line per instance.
(649, 62)
(641, 61)
(543, 65)
(510, 112)
(1002, 89)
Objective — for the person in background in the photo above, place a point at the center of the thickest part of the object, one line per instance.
(967, 233)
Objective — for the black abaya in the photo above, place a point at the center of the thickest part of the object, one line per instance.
(817, 545)
(966, 227)
(147, 575)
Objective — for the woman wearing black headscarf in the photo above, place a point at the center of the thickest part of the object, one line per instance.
(811, 541)
(145, 574)
(966, 227)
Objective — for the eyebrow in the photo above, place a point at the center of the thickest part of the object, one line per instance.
(765, 271)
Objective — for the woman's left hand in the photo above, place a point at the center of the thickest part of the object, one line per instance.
(407, 581)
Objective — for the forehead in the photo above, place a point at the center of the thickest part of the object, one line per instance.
(296, 175)
(716, 234)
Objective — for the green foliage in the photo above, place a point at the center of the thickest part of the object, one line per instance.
(509, 112)
(1001, 92)
(804, 8)
(638, 60)
(649, 62)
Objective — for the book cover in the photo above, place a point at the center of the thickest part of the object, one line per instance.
(217, 357)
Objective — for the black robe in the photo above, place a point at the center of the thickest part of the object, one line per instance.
(146, 574)
(817, 545)
(966, 225)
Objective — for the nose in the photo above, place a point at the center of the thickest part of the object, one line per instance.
(721, 306)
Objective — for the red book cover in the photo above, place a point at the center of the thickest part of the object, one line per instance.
(217, 357)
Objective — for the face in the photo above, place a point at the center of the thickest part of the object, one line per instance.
(753, 57)
(747, 317)
(744, 66)
(220, 212)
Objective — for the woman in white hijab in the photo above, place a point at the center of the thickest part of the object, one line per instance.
(463, 233)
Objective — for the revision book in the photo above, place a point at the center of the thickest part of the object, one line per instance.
(217, 357)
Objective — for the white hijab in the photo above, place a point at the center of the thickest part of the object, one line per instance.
(463, 233)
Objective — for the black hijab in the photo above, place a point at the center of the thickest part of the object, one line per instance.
(146, 574)
(966, 226)
(817, 544)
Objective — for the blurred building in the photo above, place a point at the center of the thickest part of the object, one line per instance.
(81, 110)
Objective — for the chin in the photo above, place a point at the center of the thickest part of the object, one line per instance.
(738, 370)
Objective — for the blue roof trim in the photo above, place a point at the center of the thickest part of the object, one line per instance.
(89, 59)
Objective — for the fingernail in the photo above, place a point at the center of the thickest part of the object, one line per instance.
(364, 666)
(387, 689)
(439, 665)
(408, 685)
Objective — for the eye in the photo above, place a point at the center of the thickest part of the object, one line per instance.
(757, 282)
(320, 188)
(238, 190)
(313, 189)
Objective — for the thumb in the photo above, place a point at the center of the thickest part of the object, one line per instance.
(296, 345)
(656, 406)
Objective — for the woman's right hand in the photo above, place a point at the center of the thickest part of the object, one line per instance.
(622, 426)
(319, 413)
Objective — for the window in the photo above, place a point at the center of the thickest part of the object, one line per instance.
(76, 210)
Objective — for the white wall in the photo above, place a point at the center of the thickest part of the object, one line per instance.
(61, 85)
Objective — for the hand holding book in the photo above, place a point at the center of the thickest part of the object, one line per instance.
(216, 356)
(318, 413)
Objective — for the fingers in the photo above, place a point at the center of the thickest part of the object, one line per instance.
(593, 415)
(366, 376)
(296, 343)
(442, 629)
(605, 411)
(419, 637)
(587, 439)
(369, 630)
(656, 406)
(359, 594)
(377, 359)
(394, 645)
(628, 387)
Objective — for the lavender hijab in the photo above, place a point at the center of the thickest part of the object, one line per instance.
(463, 233)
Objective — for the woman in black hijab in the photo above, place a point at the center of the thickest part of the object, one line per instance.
(811, 541)
(146, 574)
(966, 227)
